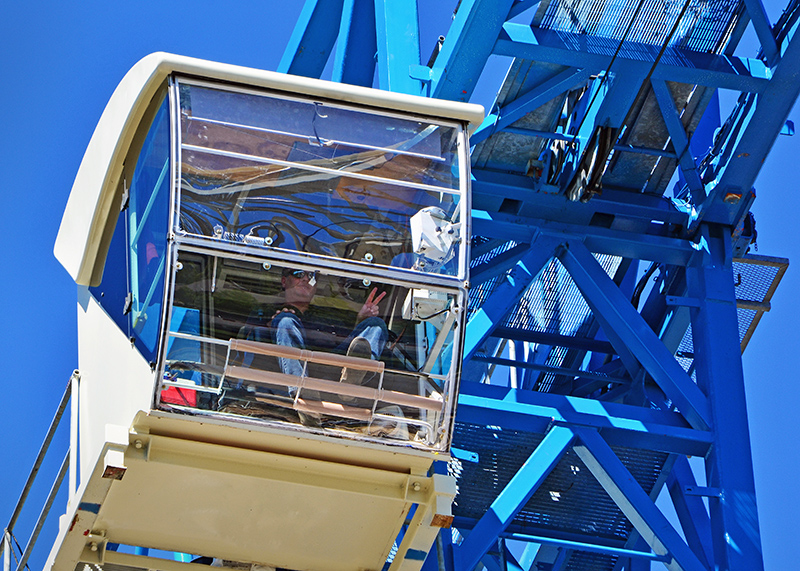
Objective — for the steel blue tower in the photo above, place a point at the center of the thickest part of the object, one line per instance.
(612, 292)
(601, 422)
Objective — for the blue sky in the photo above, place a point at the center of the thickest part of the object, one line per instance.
(60, 63)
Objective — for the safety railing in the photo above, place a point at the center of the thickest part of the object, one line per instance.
(10, 547)
(371, 408)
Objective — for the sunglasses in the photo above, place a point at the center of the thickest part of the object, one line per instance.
(300, 274)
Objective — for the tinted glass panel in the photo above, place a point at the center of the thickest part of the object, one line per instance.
(132, 287)
(148, 215)
(113, 289)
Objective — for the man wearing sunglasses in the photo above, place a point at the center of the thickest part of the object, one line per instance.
(297, 325)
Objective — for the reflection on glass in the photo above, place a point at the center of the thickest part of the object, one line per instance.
(332, 352)
(319, 134)
(312, 177)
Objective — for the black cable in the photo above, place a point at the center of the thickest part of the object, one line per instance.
(664, 46)
(605, 77)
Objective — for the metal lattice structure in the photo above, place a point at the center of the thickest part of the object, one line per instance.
(611, 292)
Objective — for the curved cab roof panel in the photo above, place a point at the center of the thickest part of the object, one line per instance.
(80, 243)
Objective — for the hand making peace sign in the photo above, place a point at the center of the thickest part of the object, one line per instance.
(370, 307)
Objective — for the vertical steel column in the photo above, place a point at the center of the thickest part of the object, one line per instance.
(734, 518)
(354, 58)
(397, 31)
(312, 39)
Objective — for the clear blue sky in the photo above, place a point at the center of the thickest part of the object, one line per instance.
(60, 63)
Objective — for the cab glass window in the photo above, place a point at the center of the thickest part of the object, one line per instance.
(329, 350)
(320, 178)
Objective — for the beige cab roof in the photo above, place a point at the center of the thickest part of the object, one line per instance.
(83, 235)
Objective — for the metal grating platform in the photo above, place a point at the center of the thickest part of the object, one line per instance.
(551, 308)
(635, 27)
(756, 278)
(705, 27)
(570, 503)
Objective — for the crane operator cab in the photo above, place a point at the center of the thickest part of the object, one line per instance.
(272, 282)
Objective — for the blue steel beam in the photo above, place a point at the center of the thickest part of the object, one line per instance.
(528, 529)
(491, 189)
(506, 296)
(397, 31)
(544, 338)
(635, 245)
(620, 96)
(313, 38)
(468, 45)
(621, 424)
(593, 547)
(717, 358)
(532, 99)
(585, 51)
(622, 323)
(491, 563)
(758, 17)
(511, 561)
(690, 510)
(680, 142)
(618, 147)
(520, 6)
(478, 250)
(646, 518)
(356, 46)
(513, 497)
(604, 379)
(498, 265)
(635, 542)
(746, 147)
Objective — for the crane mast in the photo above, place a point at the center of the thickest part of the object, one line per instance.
(565, 285)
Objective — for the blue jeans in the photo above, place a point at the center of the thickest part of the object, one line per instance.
(288, 330)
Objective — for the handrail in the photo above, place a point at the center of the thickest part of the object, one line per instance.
(323, 385)
(265, 378)
(45, 511)
(5, 545)
(303, 355)
(42, 451)
(274, 378)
